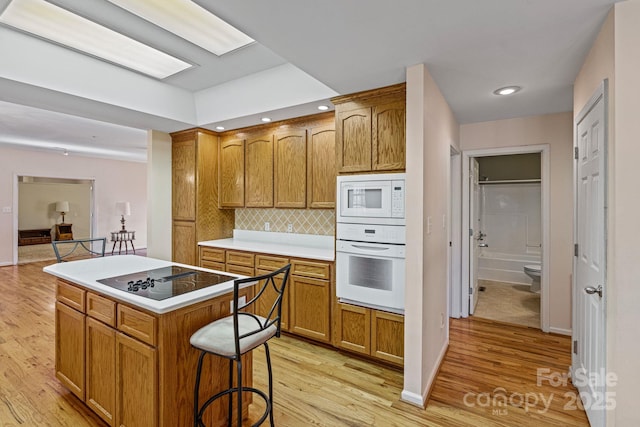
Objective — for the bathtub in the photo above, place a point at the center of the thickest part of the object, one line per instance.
(503, 267)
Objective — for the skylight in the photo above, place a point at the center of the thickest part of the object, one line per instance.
(61, 26)
(190, 21)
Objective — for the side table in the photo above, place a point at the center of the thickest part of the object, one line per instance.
(126, 237)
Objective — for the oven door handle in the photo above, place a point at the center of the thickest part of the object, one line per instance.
(369, 248)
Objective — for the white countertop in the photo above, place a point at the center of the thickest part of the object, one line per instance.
(286, 244)
(86, 272)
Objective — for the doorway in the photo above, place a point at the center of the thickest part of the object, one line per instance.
(44, 207)
(497, 265)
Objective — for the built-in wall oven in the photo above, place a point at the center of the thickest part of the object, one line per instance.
(370, 248)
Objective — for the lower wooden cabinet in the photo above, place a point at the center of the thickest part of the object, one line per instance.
(269, 297)
(70, 338)
(101, 369)
(310, 308)
(370, 332)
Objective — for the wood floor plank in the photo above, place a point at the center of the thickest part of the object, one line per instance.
(314, 385)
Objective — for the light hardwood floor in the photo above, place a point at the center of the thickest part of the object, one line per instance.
(488, 363)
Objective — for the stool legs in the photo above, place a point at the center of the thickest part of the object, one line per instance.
(270, 402)
(197, 422)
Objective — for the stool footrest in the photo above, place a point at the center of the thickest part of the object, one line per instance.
(231, 391)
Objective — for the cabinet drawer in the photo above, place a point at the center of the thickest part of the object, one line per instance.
(212, 254)
(240, 258)
(71, 295)
(317, 270)
(212, 265)
(238, 269)
(270, 263)
(137, 324)
(101, 309)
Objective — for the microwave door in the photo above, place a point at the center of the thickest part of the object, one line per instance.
(365, 199)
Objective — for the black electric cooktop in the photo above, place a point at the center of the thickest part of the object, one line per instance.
(165, 282)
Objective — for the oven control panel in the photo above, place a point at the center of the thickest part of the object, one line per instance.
(395, 234)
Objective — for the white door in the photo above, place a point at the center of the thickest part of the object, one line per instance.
(588, 361)
(475, 234)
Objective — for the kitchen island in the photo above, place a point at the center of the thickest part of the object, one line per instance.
(128, 356)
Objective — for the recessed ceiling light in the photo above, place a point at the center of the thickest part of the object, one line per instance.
(323, 107)
(220, 127)
(189, 21)
(265, 119)
(507, 90)
(60, 26)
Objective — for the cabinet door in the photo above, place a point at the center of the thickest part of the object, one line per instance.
(388, 136)
(183, 174)
(184, 242)
(136, 383)
(259, 172)
(353, 328)
(387, 336)
(267, 299)
(290, 169)
(70, 336)
(321, 168)
(101, 369)
(231, 173)
(309, 308)
(353, 137)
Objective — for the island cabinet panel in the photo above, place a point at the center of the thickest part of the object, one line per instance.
(353, 139)
(136, 383)
(290, 171)
(70, 347)
(101, 369)
(321, 167)
(388, 132)
(137, 324)
(70, 295)
(183, 161)
(101, 308)
(259, 171)
(310, 311)
(231, 173)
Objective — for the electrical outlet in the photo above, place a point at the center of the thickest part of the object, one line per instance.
(241, 301)
(267, 226)
(441, 320)
(290, 228)
(6, 209)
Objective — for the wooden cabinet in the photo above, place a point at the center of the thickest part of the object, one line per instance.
(290, 169)
(370, 130)
(101, 369)
(321, 167)
(231, 173)
(259, 171)
(370, 332)
(196, 215)
(266, 264)
(70, 341)
(310, 308)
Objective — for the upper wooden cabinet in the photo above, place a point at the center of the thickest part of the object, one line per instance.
(321, 167)
(370, 130)
(290, 168)
(194, 174)
(232, 173)
(259, 171)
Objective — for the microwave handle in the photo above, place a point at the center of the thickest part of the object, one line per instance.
(373, 248)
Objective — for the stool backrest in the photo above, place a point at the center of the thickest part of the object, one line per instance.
(267, 289)
(79, 248)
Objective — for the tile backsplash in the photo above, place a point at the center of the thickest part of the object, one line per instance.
(303, 221)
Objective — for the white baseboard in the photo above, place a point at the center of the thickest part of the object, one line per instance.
(421, 400)
(560, 331)
(4, 264)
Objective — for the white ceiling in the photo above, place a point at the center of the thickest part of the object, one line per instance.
(306, 52)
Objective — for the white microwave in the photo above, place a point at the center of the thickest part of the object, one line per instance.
(371, 199)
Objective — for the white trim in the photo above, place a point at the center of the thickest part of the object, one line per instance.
(544, 149)
(416, 399)
(455, 235)
(560, 331)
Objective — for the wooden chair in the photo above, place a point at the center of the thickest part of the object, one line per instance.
(87, 248)
(237, 334)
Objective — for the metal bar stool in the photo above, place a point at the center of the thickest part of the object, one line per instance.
(237, 334)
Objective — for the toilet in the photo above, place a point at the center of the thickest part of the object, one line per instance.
(533, 271)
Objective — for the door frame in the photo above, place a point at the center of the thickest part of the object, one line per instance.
(544, 150)
(455, 235)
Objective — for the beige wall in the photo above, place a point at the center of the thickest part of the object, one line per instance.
(37, 206)
(431, 131)
(114, 180)
(556, 131)
(615, 56)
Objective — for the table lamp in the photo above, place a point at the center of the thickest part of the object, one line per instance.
(63, 208)
(123, 208)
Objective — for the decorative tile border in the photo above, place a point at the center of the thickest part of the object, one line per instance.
(303, 221)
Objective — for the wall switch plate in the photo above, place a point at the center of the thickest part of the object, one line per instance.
(428, 225)
(267, 226)
(290, 228)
